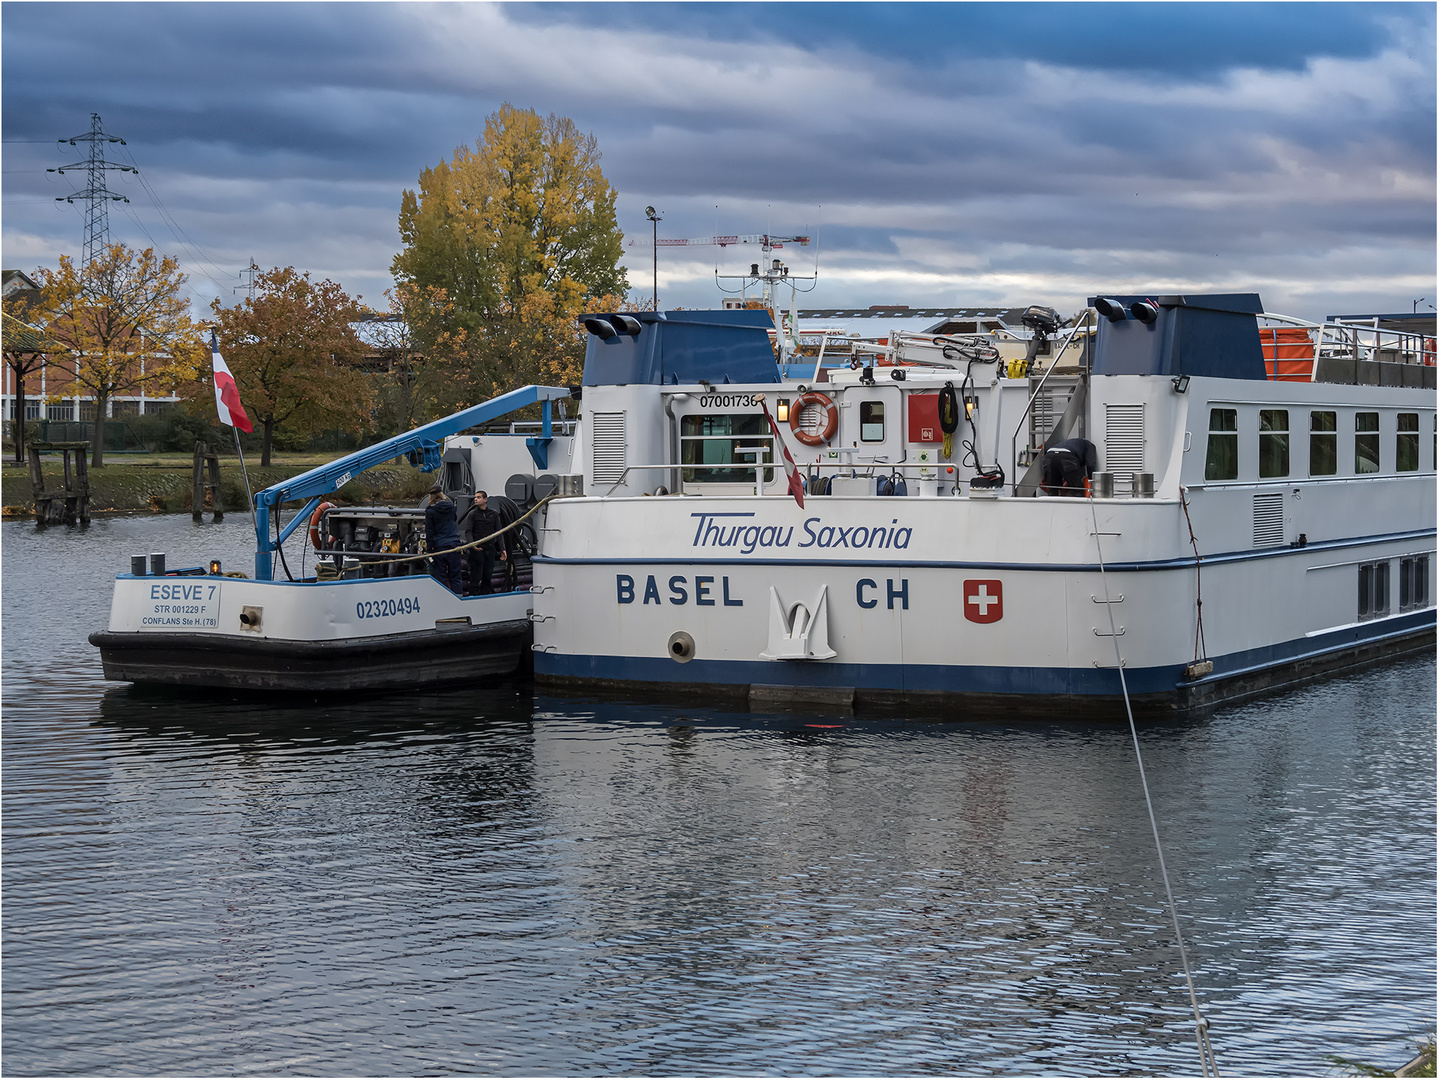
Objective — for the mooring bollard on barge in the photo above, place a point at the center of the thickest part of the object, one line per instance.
(388, 625)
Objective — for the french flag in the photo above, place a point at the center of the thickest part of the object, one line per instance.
(796, 482)
(227, 394)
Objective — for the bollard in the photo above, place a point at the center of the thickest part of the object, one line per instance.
(137, 565)
(157, 563)
(1104, 485)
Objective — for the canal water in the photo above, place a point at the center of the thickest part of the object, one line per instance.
(490, 881)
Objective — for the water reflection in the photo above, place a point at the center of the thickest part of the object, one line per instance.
(488, 881)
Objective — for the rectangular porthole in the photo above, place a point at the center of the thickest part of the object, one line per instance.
(1373, 590)
(1273, 443)
(1366, 443)
(1221, 462)
(1323, 443)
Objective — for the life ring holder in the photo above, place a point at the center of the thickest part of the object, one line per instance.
(315, 524)
(831, 422)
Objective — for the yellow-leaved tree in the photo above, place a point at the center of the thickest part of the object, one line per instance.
(520, 233)
(124, 326)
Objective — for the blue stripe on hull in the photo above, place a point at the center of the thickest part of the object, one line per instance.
(1015, 681)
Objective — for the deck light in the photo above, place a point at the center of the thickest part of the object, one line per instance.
(1181, 383)
(781, 409)
(214, 567)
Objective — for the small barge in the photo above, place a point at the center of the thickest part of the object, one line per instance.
(370, 616)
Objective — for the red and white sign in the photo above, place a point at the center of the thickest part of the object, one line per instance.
(983, 600)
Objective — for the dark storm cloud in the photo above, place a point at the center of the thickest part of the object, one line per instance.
(968, 152)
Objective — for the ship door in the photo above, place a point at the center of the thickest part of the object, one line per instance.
(872, 425)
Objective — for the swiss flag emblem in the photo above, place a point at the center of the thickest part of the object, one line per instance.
(983, 600)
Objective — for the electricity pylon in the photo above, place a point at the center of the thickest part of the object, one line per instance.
(96, 196)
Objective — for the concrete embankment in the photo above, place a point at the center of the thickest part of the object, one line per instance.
(160, 486)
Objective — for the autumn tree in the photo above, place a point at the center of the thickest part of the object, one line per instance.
(520, 232)
(124, 325)
(25, 346)
(293, 352)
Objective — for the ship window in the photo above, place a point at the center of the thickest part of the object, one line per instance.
(719, 449)
(1273, 442)
(871, 421)
(1366, 442)
(1323, 443)
(1373, 590)
(1414, 582)
(1406, 449)
(1222, 460)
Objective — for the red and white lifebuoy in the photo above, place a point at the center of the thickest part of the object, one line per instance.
(315, 524)
(831, 420)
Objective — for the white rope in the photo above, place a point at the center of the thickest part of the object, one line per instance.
(1201, 1025)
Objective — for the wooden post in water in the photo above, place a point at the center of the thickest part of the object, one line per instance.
(199, 485)
(71, 503)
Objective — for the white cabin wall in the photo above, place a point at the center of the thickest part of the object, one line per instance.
(645, 433)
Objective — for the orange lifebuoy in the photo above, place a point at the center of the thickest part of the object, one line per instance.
(315, 524)
(831, 421)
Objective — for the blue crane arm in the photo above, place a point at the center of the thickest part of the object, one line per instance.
(422, 446)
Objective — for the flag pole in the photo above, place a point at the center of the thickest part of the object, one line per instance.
(249, 493)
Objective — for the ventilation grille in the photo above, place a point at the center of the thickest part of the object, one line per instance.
(1269, 519)
(1124, 439)
(607, 436)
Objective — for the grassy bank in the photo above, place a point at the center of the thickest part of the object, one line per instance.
(161, 483)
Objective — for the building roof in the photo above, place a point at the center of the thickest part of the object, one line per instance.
(14, 280)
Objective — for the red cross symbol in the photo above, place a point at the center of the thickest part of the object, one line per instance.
(983, 600)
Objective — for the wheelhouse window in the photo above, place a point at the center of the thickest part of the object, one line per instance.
(723, 449)
(1413, 582)
(1406, 443)
(1366, 442)
(1323, 443)
(1273, 442)
(871, 421)
(1221, 462)
(1373, 590)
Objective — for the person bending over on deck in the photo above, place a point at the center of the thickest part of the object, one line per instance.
(441, 536)
(482, 522)
(1067, 465)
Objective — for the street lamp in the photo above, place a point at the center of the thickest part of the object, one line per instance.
(655, 220)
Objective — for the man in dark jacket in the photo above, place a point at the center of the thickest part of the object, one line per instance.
(441, 536)
(1067, 465)
(479, 523)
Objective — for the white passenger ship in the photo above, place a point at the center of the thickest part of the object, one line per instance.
(1263, 511)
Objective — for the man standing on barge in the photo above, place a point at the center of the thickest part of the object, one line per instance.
(441, 536)
(482, 522)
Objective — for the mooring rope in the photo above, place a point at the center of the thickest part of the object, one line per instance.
(1201, 1025)
(1201, 651)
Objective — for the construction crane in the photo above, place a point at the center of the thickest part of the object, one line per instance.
(768, 242)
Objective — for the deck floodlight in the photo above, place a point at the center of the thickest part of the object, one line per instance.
(1181, 383)
(1144, 311)
(626, 324)
(600, 328)
(1112, 310)
(650, 213)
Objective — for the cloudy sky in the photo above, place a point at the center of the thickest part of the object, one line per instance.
(940, 154)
